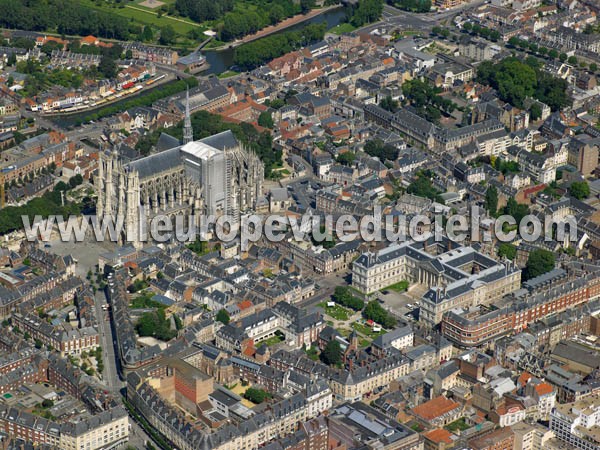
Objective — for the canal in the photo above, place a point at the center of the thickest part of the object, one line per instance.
(222, 60)
(219, 60)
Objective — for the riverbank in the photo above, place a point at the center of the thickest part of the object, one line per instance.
(272, 29)
(155, 93)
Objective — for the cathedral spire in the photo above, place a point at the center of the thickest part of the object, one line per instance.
(188, 133)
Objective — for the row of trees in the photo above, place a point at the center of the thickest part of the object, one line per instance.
(419, 6)
(545, 52)
(51, 15)
(516, 80)
(240, 22)
(484, 32)
(254, 54)
(375, 312)
(202, 10)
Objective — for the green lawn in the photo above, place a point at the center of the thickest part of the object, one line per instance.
(401, 286)
(227, 74)
(272, 341)
(417, 427)
(144, 300)
(342, 28)
(145, 16)
(366, 330)
(337, 312)
(457, 425)
(344, 331)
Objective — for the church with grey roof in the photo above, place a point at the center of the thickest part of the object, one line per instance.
(214, 176)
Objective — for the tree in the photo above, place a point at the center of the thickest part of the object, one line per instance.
(332, 353)
(75, 181)
(535, 112)
(265, 119)
(378, 149)
(491, 200)
(256, 53)
(107, 67)
(593, 67)
(167, 35)
(346, 158)
(306, 5)
(419, 6)
(389, 104)
(580, 190)
(513, 79)
(343, 296)
(223, 316)
(256, 395)
(366, 11)
(178, 322)
(553, 53)
(516, 210)
(572, 60)
(47, 403)
(423, 187)
(563, 57)
(375, 312)
(507, 250)
(539, 262)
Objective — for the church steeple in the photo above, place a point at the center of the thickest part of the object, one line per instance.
(188, 133)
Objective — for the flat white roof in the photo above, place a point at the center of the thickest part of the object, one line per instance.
(199, 150)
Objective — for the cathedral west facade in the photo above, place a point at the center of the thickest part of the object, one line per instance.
(213, 176)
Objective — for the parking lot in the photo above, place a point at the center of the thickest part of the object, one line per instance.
(398, 302)
(86, 253)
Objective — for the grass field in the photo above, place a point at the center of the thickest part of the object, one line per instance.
(272, 341)
(366, 330)
(342, 28)
(145, 16)
(401, 286)
(227, 74)
(337, 312)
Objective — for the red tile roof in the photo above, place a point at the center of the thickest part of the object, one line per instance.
(435, 408)
(439, 435)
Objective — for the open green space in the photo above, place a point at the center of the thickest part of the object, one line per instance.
(457, 425)
(366, 330)
(342, 28)
(273, 340)
(401, 286)
(145, 16)
(227, 74)
(337, 312)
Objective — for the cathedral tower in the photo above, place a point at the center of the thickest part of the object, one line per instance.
(188, 133)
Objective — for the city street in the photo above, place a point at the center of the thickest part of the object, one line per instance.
(110, 375)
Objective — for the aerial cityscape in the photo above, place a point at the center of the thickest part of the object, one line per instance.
(300, 224)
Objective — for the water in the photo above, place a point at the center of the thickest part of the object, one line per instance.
(222, 60)
(219, 61)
